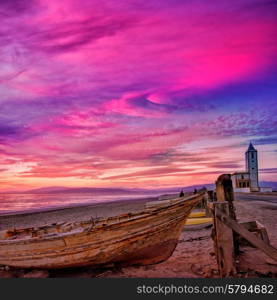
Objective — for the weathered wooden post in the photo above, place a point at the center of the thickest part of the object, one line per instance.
(207, 199)
(222, 234)
(223, 239)
(227, 230)
(224, 191)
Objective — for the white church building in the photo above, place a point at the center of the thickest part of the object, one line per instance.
(248, 181)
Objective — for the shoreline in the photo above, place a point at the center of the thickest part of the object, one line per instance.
(69, 206)
(121, 201)
(73, 213)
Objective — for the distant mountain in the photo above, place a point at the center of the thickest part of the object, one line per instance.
(92, 190)
(158, 191)
(64, 190)
(50, 189)
(209, 186)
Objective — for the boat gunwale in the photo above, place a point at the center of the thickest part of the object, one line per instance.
(78, 249)
(129, 217)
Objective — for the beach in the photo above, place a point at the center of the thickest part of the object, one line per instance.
(71, 213)
(194, 255)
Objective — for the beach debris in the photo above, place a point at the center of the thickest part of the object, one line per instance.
(200, 238)
(215, 272)
(37, 274)
(6, 268)
(5, 274)
(197, 270)
(210, 272)
(104, 274)
(271, 262)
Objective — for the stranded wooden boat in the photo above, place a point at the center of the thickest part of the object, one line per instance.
(140, 238)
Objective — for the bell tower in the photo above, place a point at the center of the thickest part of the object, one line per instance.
(251, 160)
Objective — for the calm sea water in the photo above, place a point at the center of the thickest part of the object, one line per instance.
(21, 202)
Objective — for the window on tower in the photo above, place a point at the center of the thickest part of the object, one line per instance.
(252, 155)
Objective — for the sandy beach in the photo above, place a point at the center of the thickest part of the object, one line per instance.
(40, 217)
(194, 255)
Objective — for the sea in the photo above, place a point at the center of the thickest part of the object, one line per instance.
(10, 203)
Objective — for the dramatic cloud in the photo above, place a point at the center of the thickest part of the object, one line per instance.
(135, 93)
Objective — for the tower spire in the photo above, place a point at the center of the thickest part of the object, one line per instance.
(251, 147)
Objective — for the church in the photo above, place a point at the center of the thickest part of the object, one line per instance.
(248, 181)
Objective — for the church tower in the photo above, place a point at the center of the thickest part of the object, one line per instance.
(251, 160)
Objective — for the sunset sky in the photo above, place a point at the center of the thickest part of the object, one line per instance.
(135, 93)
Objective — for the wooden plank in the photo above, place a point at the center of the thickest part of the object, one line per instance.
(224, 244)
(252, 238)
(220, 195)
(251, 225)
(209, 210)
(263, 232)
(258, 229)
(208, 213)
(264, 235)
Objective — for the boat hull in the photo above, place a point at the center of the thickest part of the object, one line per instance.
(143, 238)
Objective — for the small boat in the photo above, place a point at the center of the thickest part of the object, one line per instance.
(146, 237)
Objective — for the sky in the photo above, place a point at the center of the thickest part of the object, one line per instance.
(135, 93)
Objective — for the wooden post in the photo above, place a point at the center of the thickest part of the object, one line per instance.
(226, 241)
(211, 195)
(223, 239)
(224, 191)
(207, 209)
(226, 230)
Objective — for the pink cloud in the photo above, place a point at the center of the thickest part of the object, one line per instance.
(90, 87)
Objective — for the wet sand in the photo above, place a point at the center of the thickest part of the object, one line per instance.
(40, 217)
